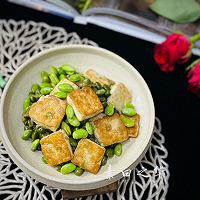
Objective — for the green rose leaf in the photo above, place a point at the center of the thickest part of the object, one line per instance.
(179, 11)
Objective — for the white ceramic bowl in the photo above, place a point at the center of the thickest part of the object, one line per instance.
(82, 57)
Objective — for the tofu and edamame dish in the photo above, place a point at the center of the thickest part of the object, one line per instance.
(78, 120)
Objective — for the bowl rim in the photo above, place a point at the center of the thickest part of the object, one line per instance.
(19, 160)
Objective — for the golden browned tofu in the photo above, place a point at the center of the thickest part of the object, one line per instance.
(56, 149)
(85, 103)
(48, 112)
(110, 130)
(64, 80)
(119, 95)
(134, 131)
(88, 155)
(95, 77)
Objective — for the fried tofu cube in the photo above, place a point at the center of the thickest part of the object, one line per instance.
(119, 95)
(64, 80)
(56, 149)
(48, 112)
(85, 103)
(88, 155)
(134, 131)
(110, 130)
(95, 77)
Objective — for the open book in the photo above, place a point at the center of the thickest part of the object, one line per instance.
(131, 17)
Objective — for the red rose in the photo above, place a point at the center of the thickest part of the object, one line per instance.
(175, 49)
(194, 79)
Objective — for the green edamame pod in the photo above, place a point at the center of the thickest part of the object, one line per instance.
(128, 105)
(46, 90)
(44, 160)
(62, 76)
(53, 70)
(73, 142)
(80, 133)
(26, 134)
(61, 95)
(129, 111)
(35, 144)
(75, 77)
(68, 69)
(26, 104)
(30, 123)
(34, 87)
(89, 128)
(127, 121)
(69, 111)
(109, 110)
(109, 153)
(67, 168)
(78, 171)
(44, 76)
(104, 161)
(100, 92)
(42, 85)
(118, 149)
(65, 87)
(66, 128)
(74, 121)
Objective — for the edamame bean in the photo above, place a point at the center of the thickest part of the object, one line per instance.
(97, 85)
(42, 85)
(44, 76)
(32, 97)
(100, 92)
(128, 111)
(26, 134)
(62, 76)
(104, 161)
(78, 171)
(34, 87)
(86, 82)
(80, 133)
(61, 71)
(74, 121)
(118, 149)
(75, 77)
(68, 69)
(66, 128)
(65, 87)
(73, 142)
(61, 95)
(54, 79)
(128, 105)
(35, 144)
(53, 70)
(35, 135)
(44, 160)
(109, 110)
(67, 168)
(89, 128)
(107, 93)
(26, 104)
(109, 153)
(30, 123)
(69, 111)
(127, 121)
(46, 90)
